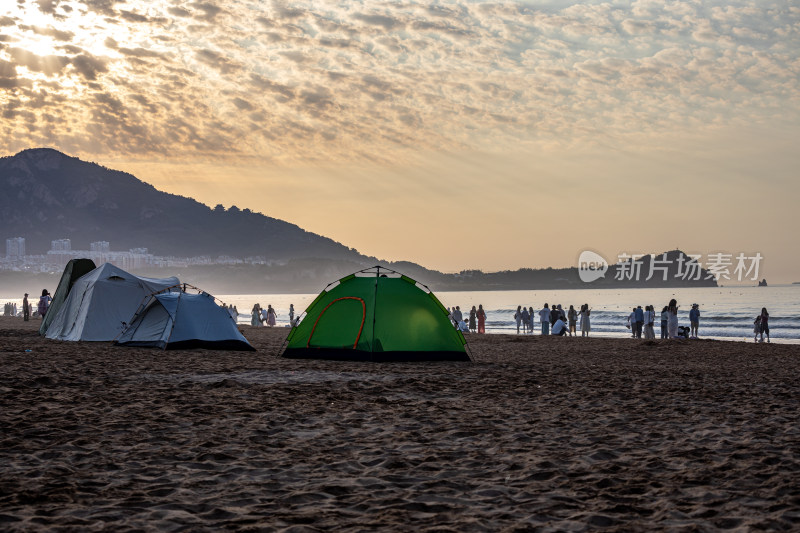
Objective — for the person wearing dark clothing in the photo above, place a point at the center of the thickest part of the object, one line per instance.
(764, 324)
(44, 303)
(639, 315)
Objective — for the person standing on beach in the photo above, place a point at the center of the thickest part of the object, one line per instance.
(555, 314)
(639, 321)
(694, 321)
(526, 320)
(649, 320)
(481, 319)
(531, 319)
(518, 317)
(572, 316)
(756, 328)
(585, 323)
(631, 325)
(672, 319)
(44, 303)
(272, 316)
(458, 316)
(473, 317)
(764, 324)
(26, 309)
(544, 318)
(255, 315)
(664, 320)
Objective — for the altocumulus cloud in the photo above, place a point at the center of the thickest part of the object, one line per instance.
(372, 79)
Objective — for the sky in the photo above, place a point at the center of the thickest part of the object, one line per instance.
(455, 134)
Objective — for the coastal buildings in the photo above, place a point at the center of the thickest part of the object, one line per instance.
(15, 249)
(61, 252)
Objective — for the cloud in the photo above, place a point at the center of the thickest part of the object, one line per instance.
(209, 11)
(51, 32)
(88, 66)
(139, 52)
(47, 6)
(384, 21)
(132, 16)
(103, 7)
(242, 104)
(49, 65)
(7, 69)
(218, 61)
(338, 81)
(179, 12)
(285, 13)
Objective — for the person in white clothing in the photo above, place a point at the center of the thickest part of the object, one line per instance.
(585, 322)
(544, 318)
(649, 320)
(631, 325)
(672, 319)
(560, 327)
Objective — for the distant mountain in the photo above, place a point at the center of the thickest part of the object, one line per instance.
(47, 195)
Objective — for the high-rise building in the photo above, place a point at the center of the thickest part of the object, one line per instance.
(60, 245)
(15, 248)
(99, 246)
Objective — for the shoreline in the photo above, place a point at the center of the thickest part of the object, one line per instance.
(243, 326)
(595, 335)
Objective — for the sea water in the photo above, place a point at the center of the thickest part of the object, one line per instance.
(726, 313)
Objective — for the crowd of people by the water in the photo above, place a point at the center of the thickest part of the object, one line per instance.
(268, 317)
(26, 310)
(475, 322)
(555, 320)
(10, 309)
(552, 320)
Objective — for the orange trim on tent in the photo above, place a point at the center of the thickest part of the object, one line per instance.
(363, 318)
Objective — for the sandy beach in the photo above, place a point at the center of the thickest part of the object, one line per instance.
(546, 434)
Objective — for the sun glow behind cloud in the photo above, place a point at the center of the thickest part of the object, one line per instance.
(376, 80)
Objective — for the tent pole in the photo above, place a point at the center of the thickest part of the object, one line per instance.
(375, 307)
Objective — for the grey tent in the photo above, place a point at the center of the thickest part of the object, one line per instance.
(75, 269)
(179, 320)
(101, 303)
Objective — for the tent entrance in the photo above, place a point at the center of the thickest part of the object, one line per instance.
(342, 328)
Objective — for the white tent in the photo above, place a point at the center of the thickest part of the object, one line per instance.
(101, 302)
(178, 320)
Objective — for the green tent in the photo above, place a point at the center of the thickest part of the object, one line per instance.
(75, 269)
(376, 315)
